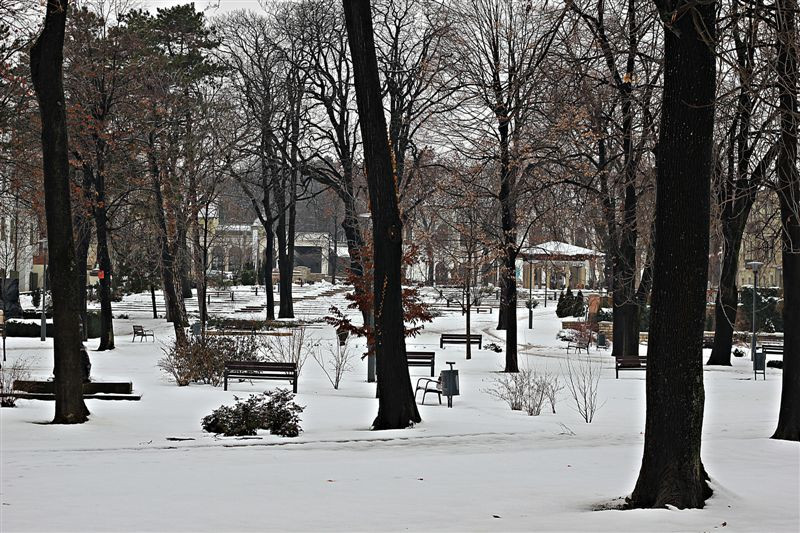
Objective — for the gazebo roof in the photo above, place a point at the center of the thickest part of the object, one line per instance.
(558, 251)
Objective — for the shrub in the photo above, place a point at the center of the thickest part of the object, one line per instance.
(36, 298)
(566, 302)
(292, 348)
(336, 360)
(248, 277)
(493, 347)
(578, 305)
(526, 390)
(274, 411)
(582, 380)
(768, 317)
(604, 314)
(775, 363)
(283, 414)
(203, 360)
(9, 373)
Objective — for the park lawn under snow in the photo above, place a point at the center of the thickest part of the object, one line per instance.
(478, 466)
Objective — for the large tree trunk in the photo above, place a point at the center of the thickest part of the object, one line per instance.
(396, 407)
(269, 254)
(507, 315)
(728, 293)
(789, 195)
(285, 271)
(176, 313)
(83, 226)
(672, 472)
(46, 70)
(104, 260)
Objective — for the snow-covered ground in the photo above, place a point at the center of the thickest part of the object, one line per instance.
(478, 466)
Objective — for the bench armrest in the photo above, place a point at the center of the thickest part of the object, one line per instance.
(427, 381)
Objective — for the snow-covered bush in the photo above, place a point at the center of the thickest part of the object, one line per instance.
(203, 360)
(567, 334)
(335, 360)
(582, 381)
(20, 368)
(493, 346)
(274, 411)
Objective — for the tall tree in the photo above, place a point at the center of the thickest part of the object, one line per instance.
(626, 45)
(740, 172)
(47, 73)
(396, 408)
(672, 472)
(500, 49)
(786, 14)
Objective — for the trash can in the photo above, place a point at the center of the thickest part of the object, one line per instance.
(601, 340)
(760, 364)
(197, 329)
(449, 379)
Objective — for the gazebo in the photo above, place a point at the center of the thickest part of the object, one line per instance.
(557, 265)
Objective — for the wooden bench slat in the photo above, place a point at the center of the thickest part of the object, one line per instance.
(631, 363)
(261, 370)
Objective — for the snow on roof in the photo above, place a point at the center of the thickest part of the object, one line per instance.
(560, 248)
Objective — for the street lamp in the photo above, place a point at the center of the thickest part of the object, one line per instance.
(371, 368)
(530, 294)
(43, 242)
(754, 266)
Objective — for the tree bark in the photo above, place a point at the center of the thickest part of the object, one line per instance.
(83, 227)
(396, 406)
(176, 312)
(508, 222)
(104, 260)
(789, 195)
(728, 294)
(46, 71)
(672, 472)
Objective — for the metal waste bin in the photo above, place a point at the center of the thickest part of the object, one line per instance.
(197, 329)
(601, 340)
(760, 364)
(449, 379)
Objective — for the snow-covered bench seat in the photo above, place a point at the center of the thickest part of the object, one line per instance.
(631, 363)
(459, 338)
(250, 370)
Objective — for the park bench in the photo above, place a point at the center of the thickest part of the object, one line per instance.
(250, 370)
(421, 359)
(139, 331)
(631, 363)
(459, 338)
(772, 349)
(578, 344)
(760, 364)
(427, 385)
(479, 310)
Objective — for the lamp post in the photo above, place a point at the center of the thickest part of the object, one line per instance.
(371, 369)
(754, 266)
(530, 294)
(43, 242)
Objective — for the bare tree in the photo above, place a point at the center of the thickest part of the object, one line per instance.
(46, 72)
(672, 471)
(396, 408)
(786, 14)
(499, 50)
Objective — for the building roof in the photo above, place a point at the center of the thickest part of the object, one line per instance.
(555, 251)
